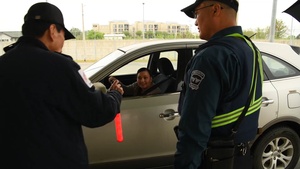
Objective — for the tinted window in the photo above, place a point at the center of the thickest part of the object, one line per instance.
(278, 68)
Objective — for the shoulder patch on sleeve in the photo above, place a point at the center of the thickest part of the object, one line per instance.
(85, 79)
(195, 79)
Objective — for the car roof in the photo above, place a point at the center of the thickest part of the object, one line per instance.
(280, 50)
(161, 42)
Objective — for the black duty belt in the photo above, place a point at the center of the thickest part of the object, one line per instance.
(241, 149)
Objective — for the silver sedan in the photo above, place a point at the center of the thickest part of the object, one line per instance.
(148, 121)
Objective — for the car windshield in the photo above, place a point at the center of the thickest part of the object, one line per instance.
(97, 66)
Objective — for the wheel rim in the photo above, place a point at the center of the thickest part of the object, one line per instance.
(278, 153)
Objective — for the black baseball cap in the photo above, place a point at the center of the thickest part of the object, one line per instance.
(189, 10)
(46, 12)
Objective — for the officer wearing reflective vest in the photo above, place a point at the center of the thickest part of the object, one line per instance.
(216, 86)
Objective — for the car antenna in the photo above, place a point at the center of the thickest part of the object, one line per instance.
(252, 35)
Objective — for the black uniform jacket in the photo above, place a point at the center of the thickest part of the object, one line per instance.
(217, 82)
(43, 104)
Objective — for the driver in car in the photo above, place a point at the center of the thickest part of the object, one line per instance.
(143, 85)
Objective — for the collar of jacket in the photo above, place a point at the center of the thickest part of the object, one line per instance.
(26, 40)
(227, 31)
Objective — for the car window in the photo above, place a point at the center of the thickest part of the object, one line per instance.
(172, 56)
(278, 68)
(133, 66)
(96, 67)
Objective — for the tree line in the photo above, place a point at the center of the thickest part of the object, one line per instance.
(281, 32)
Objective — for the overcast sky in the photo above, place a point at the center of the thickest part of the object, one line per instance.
(252, 13)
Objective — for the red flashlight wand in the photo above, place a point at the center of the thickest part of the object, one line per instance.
(118, 126)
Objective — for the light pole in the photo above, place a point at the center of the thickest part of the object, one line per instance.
(83, 33)
(273, 22)
(82, 12)
(143, 23)
(291, 36)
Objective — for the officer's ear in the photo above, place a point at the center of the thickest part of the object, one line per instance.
(51, 31)
(217, 7)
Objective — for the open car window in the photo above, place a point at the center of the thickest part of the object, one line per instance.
(127, 73)
(132, 67)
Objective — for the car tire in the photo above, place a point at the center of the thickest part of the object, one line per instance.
(278, 148)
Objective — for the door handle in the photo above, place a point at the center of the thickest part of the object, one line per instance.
(265, 101)
(169, 114)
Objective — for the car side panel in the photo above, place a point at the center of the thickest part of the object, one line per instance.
(145, 134)
(268, 111)
(289, 96)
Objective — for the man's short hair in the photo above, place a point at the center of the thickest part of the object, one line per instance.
(37, 29)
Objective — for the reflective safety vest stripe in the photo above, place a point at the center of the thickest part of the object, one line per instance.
(231, 117)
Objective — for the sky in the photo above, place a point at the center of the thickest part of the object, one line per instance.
(252, 13)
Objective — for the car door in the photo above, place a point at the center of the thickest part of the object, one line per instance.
(269, 108)
(285, 79)
(149, 140)
(145, 134)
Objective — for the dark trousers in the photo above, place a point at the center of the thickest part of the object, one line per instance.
(244, 162)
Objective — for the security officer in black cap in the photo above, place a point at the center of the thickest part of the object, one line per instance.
(216, 87)
(45, 98)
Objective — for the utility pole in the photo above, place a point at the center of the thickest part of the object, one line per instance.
(143, 22)
(291, 35)
(273, 22)
(83, 33)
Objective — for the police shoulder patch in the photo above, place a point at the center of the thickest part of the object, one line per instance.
(195, 79)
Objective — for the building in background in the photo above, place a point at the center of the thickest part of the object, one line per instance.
(119, 27)
(10, 36)
(114, 28)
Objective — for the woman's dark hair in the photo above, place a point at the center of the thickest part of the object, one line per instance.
(144, 69)
(37, 29)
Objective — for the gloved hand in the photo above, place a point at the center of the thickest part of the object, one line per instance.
(99, 86)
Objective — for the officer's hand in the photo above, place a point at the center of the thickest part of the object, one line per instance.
(99, 86)
(117, 86)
